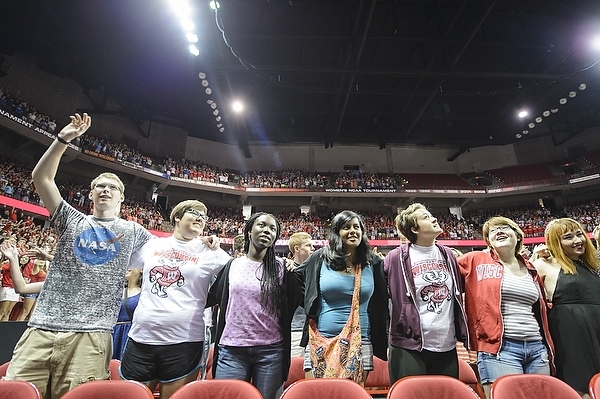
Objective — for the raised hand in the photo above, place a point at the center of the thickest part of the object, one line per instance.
(78, 126)
(9, 250)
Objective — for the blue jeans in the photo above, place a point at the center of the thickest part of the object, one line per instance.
(261, 365)
(514, 357)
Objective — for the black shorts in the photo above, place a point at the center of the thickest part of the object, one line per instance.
(165, 363)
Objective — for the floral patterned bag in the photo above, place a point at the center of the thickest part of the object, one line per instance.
(340, 356)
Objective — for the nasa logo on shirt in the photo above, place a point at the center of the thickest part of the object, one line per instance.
(96, 246)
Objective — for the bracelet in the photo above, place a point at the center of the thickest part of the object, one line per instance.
(61, 140)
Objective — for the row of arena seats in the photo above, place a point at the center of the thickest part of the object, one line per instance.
(519, 386)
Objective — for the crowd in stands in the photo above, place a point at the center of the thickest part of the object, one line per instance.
(15, 182)
(25, 111)
(24, 229)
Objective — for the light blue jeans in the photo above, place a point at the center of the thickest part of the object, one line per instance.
(514, 357)
(261, 365)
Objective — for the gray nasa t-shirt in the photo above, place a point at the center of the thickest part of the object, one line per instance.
(84, 286)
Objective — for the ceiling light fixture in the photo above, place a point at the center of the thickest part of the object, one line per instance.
(208, 91)
(572, 93)
(538, 119)
(582, 86)
(192, 37)
(187, 25)
(522, 113)
(194, 50)
(554, 110)
(237, 106)
(531, 125)
(562, 101)
(546, 113)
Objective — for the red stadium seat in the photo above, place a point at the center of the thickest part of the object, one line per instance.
(18, 390)
(330, 388)
(430, 386)
(531, 386)
(110, 389)
(217, 389)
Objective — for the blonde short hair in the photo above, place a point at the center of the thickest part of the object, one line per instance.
(111, 176)
(184, 206)
(503, 221)
(297, 238)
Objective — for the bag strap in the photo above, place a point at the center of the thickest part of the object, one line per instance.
(354, 310)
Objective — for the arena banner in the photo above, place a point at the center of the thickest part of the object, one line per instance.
(26, 206)
(30, 126)
(98, 155)
(203, 183)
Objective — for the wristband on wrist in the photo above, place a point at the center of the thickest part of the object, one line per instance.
(61, 140)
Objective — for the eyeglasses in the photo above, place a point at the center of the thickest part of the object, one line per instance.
(197, 214)
(111, 187)
(496, 229)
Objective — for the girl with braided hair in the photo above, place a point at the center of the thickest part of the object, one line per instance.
(257, 297)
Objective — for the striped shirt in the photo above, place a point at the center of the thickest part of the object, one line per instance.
(519, 293)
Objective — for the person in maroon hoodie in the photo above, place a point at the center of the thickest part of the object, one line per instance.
(425, 286)
(506, 306)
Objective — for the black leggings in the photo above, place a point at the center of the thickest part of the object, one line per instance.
(402, 363)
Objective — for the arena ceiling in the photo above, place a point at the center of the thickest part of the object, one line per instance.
(424, 72)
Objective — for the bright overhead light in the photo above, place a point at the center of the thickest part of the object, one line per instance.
(538, 119)
(519, 135)
(572, 93)
(582, 86)
(194, 50)
(522, 113)
(554, 110)
(192, 37)
(531, 125)
(208, 91)
(218, 119)
(596, 43)
(562, 101)
(181, 8)
(213, 105)
(202, 75)
(525, 131)
(219, 124)
(216, 112)
(546, 113)
(204, 82)
(237, 106)
(222, 129)
(214, 5)
(187, 25)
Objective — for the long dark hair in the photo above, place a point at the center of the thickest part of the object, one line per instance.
(271, 292)
(335, 254)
